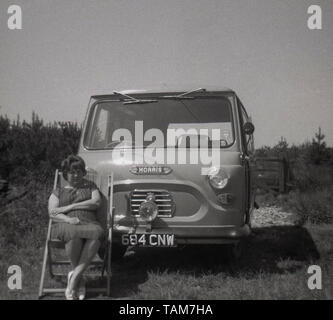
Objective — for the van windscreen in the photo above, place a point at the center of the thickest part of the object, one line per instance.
(162, 123)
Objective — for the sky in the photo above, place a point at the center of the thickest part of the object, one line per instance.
(67, 51)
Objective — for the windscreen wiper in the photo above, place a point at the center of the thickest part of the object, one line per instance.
(184, 95)
(132, 100)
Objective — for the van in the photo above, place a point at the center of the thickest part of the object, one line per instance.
(182, 164)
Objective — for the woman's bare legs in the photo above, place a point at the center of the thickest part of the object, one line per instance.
(73, 250)
(88, 252)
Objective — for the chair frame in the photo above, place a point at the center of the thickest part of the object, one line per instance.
(54, 243)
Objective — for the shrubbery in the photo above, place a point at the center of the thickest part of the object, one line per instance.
(34, 150)
(29, 156)
(313, 206)
(23, 221)
(311, 167)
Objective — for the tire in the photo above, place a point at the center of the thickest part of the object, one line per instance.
(118, 252)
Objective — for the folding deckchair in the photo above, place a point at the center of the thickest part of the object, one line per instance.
(51, 244)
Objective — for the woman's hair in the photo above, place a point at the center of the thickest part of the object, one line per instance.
(72, 162)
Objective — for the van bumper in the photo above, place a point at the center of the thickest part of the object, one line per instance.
(191, 234)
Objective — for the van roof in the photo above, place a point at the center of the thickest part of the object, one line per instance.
(164, 90)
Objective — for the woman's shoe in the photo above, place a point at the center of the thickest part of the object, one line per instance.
(69, 294)
(82, 289)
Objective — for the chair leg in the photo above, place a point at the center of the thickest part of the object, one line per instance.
(50, 263)
(109, 265)
(45, 261)
(108, 292)
(105, 258)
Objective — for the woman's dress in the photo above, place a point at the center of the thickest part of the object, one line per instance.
(89, 227)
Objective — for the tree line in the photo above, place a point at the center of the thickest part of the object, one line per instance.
(33, 150)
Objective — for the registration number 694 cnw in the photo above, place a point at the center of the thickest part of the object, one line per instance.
(148, 240)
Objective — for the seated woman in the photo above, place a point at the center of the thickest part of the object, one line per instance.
(73, 208)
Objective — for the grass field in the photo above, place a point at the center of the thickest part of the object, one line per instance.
(274, 266)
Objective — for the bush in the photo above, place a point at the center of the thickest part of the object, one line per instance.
(34, 150)
(311, 206)
(24, 221)
(312, 198)
(29, 155)
(308, 177)
(311, 168)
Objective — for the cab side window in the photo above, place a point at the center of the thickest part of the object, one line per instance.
(247, 141)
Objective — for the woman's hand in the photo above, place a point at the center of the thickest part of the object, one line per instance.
(73, 220)
(63, 210)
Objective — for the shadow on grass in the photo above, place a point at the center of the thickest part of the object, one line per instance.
(269, 250)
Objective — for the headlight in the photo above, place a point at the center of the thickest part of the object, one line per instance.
(218, 179)
(148, 209)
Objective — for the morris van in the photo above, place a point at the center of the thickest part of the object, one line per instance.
(182, 164)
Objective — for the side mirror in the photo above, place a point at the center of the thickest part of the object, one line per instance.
(248, 128)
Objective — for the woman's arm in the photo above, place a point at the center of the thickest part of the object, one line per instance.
(57, 213)
(91, 204)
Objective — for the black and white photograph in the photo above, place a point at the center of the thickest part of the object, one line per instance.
(179, 151)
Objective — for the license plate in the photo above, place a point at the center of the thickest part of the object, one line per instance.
(148, 240)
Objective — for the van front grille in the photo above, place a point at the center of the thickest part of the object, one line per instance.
(163, 199)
